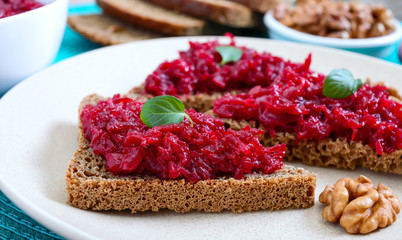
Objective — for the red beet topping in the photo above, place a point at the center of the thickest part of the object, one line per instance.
(13, 7)
(173, 151)
(294, 103)
(199, 70)
(290, 99)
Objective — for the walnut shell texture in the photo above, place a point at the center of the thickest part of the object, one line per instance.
(358, 206)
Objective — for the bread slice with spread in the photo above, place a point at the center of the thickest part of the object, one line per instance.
(338, 152)
(286, 100)
(91, 186)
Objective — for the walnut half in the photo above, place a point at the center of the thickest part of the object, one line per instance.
(359, 206)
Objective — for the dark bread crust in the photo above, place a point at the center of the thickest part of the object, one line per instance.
(144, 14)
(105, 30)
(329, 152)
(220, 11)
(261, 6)
(90, 186)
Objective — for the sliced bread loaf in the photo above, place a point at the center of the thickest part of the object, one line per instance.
(220, 11)
(151, 16)
(90, 186)
(261, 6)
(105, 30)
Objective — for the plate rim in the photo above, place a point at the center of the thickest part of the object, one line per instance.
(69, 231)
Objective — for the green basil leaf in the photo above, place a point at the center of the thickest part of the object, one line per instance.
(340, 84)
(229, 54)
(163, 110)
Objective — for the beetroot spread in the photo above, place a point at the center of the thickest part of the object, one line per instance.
(204, 151)
(294, 103)
(13, 7)
(287, 97)
(199, 70)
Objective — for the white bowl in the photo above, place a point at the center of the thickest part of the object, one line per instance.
(377, 46)
(30, 41)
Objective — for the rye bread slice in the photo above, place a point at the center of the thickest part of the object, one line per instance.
(220, 11)
(325, 153)
(261, 6)
(90, 186)
(105, 30)
(151, 16)
(329, 152)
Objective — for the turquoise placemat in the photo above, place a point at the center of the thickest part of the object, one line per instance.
(14, 223)
(394, 55)
(73, 43)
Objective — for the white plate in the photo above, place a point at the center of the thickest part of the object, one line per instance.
(38, 126)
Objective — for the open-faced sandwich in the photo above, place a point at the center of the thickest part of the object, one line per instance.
(158, 155)
(325, 120)
(127, 159)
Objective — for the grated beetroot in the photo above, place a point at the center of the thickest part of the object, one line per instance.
(174, 151)
(285, 96)
(199, 70)
(13, 7)
(294, 103)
